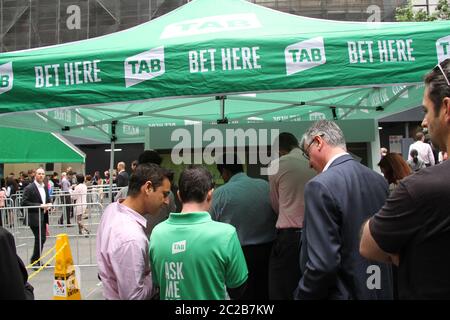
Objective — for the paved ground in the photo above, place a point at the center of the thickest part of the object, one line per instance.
(83, 253)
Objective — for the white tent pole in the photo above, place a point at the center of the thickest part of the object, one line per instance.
(111, 168)
(111, 162)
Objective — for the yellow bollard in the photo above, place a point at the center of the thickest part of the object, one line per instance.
(65, 285)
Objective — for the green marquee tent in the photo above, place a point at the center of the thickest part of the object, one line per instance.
(226, 60)
(25, 146)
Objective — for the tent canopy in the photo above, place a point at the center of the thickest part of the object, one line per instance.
(220, 59)
(26, 146)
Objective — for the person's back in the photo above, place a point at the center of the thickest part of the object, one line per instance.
(191, 256)
(365, 192)
(244, 203)
(425, 153)
(415, 163)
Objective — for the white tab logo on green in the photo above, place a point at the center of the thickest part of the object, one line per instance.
(443, 48)
(304, 55)
(6, 77)
(144, 66)
(213, 24)
(178, 247)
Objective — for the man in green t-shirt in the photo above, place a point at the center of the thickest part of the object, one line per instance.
(191, 256)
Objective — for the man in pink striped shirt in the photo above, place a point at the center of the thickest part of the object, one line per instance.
(122, 245)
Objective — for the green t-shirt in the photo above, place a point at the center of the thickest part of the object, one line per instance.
(195, 258)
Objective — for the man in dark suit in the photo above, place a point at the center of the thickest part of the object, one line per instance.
(122, 176)
(36, 195)
(337, 201)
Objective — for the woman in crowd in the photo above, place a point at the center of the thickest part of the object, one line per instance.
(79, 195)
(415, 163)
(394, 168)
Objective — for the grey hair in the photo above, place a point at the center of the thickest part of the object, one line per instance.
(329, 131)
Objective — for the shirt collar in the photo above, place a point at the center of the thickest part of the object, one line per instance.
(189, 218)
(38, 184)
(236, 176)
(332, 159)
(133, 214)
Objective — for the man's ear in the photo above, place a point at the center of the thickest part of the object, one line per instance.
(147, 187)
(178, 195)
(320, 143)
(209, 195)
(446, 108)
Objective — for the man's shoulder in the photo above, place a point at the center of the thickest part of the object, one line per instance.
(222, 227)
(425, 177)
(29, 186)
(338, 171)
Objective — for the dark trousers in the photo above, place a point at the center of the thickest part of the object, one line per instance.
(68, 210)
(284, 265)
(39, 240)
(257, 258)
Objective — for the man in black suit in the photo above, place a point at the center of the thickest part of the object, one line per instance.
(337, 201)
(36, 195)
(122, 176)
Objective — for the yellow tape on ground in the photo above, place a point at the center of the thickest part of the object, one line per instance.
(43, 256)
(43, 266)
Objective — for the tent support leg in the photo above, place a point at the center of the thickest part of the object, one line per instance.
(111, 162)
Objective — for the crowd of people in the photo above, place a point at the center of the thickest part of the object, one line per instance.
(323, 226)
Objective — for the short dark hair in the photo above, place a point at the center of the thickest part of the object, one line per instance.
(287, 141)
(234, 165)
(438, 87)
(145, 172)
(150, 156)
(80, 178)
(419, 136)
(194, 183)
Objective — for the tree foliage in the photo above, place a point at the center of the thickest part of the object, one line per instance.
(408, 13)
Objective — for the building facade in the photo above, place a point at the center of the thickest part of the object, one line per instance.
(35, 23)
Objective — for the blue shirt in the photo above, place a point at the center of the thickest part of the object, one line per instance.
(244, 202)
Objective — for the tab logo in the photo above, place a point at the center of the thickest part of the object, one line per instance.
(178, 247)
(6, 77)
(304, 55)
(229, 22)
(443, 48)
(144, 66)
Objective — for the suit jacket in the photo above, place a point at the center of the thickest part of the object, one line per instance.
(31, 197)
(13, 275)
(337, 202)
(122, 179)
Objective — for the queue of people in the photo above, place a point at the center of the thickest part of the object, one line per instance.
(335, 234)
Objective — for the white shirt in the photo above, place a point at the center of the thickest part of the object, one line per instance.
(424, 152)
(41, 191)
(332, 159)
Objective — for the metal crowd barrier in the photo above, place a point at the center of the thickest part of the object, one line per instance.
(15, 218)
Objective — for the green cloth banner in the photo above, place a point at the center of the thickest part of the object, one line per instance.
(292, 67)
(24, 146)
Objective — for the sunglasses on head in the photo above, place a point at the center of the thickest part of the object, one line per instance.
(439, 67)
